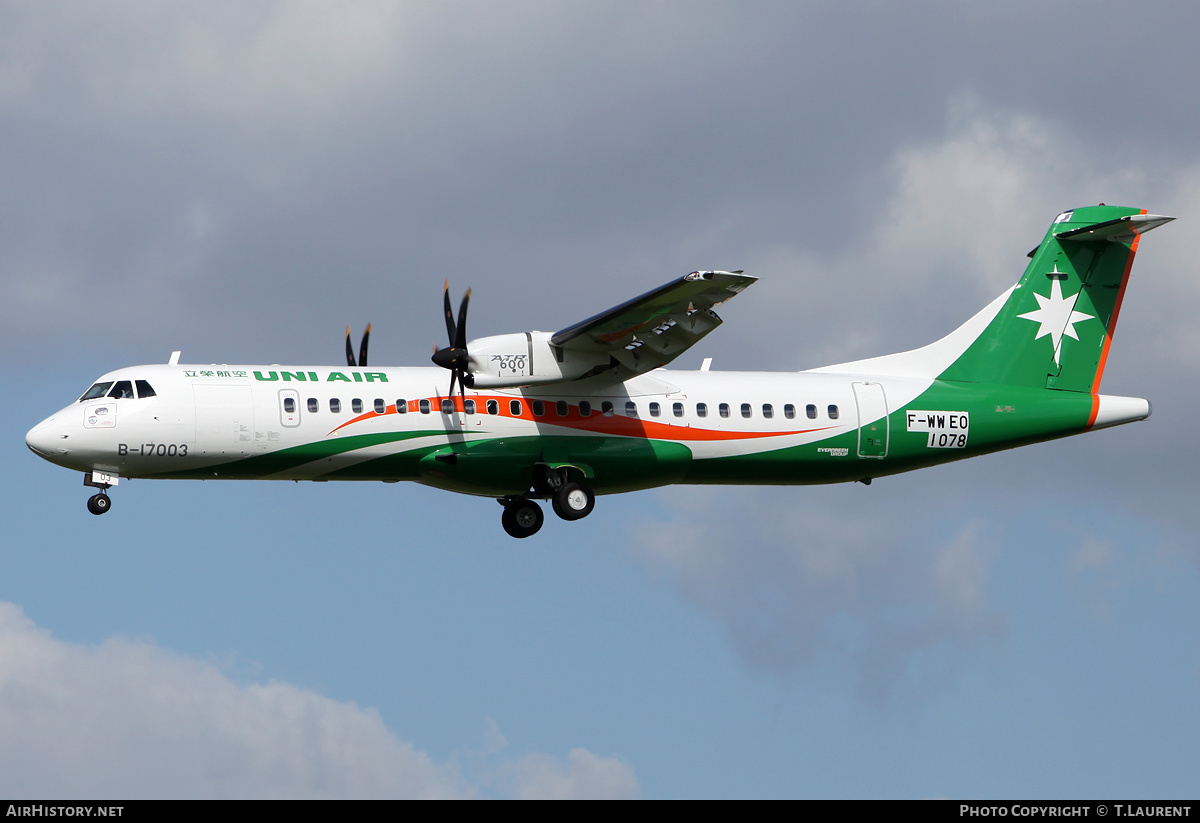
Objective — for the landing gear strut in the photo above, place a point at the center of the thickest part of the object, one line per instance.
(570, 494)
(521, 517)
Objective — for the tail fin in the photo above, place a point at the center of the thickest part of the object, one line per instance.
(1052, 329)
(1055, 328)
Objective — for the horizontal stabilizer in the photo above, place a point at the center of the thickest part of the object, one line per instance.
(1122, 230)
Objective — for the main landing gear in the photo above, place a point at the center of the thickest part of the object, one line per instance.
(521, 517)
(571, 499)
(99, 503)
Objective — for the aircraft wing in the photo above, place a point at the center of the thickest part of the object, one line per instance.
(650, 331)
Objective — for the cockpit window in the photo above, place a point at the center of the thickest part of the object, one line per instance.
(121, 390)
(98, 390)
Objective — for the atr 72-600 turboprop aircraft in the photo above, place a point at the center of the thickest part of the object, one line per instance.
(589, 410)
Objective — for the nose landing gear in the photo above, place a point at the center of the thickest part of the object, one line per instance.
(100, 502)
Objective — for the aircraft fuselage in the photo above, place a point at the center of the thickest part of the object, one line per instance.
(391, 424)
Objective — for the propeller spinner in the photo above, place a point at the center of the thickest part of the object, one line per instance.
(455, 356)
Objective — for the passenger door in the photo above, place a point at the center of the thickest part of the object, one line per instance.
(872, 420)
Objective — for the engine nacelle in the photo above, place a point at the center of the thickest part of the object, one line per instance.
(512, 360)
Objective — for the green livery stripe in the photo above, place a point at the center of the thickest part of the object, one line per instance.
(1001, 417)
(263, 465)
(504, 465)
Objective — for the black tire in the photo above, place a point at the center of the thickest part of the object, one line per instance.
(99, 503)
(522, 518)
(574, 501)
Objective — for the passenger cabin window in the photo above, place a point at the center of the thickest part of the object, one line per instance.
(630, 408)
(677, 409)
(122, 390)
(380, 406)
(746, 410)
(514, 408)
(606, 408)
(447, 406)
(833, 412)
(97, 390)
(789, 411)
(356, 406)
(585, 408)
(702, 410)
(562, 408)
(724, 409)
(768, 411)
(289, 405)
(655, 409)
(469, 406)
(401, 406)
(811, 411)
(313, 405)
(335, 406)
(424, 405)
(493, 407)
(539, 408)
(143, 388)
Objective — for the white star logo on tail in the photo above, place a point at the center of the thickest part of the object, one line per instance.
(1056, 315)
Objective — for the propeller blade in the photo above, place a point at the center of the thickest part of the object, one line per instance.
(349, 349)
(460, 341)
(455, 357)
(362, 350)
(449, 314)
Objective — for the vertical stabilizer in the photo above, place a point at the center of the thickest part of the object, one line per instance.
(1056, 325)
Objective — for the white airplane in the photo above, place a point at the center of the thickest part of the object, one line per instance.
(589, 409)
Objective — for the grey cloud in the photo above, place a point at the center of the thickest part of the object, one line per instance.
(128, 719)
(257, 168)
(582, 776)
(808, 578)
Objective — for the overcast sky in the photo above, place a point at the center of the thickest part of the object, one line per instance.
(240, 180)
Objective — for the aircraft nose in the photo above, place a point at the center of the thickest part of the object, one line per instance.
(46, 440)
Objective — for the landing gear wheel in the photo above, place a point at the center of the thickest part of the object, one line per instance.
(522, 518)
(99, 503)
(573, 501)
